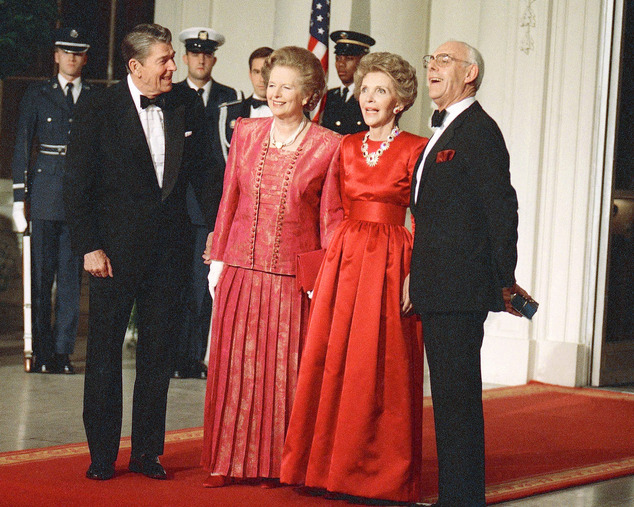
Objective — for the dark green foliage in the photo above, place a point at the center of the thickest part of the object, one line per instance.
(25, 26)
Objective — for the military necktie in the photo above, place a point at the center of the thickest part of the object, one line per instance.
(69, 97)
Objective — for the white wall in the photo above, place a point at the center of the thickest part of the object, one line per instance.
(248, 24)
(545, 99)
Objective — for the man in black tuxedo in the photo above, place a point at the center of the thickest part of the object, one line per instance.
(133, 151)
(463, 260)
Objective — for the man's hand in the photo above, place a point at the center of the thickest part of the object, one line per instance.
(507, 292)
(98, 264)
(19, 220)
(207, 252)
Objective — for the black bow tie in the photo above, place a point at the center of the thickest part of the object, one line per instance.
(438, 117)
(255, 103)
(158, 101)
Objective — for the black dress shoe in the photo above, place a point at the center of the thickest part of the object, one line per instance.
(100, 472)
(179, 374)
(63, 364)
(43, 367)
(150, 466)
(198, 370)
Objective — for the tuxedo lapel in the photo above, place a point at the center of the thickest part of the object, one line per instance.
(131, 140)
(445, 139)
(174, 141)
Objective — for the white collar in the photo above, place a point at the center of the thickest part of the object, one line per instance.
(455, 109)
(135, 92)
(206, 86)
(63, 81)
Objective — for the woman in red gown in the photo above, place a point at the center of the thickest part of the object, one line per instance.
(356, 424)
(281, 197)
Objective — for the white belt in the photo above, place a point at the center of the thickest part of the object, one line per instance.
(53, 149)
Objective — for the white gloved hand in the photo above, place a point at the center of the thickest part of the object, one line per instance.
(215, 269)
(19, 220)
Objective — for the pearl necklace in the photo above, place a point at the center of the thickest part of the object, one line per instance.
(373, 158)
(280, 144)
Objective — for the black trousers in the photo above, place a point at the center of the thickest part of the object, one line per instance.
(156, 288)
(195, 306)
(453, 341)
(53, 260)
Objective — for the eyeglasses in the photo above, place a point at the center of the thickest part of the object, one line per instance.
(442, 60)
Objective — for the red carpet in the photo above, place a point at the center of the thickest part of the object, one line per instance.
(538, 438)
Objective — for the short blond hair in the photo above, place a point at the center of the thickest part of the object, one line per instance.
(403, 76)
(311, 75)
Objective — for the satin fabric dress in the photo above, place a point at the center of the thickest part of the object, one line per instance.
(275, 204)
(356, 425)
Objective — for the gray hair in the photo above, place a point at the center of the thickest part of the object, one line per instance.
(138, 42)
(475, 58)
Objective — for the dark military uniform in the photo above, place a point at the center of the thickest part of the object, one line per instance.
(230, 112)
(45, 122)
(192, 343)
(340, 115)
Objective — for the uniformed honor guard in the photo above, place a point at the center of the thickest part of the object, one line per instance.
(341, 112)
(254, 106)
(46, 114)
(200, 57)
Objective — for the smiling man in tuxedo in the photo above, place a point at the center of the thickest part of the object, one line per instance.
(463, 260)
(132, 153)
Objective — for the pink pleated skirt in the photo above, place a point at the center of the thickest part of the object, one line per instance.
(257, 330)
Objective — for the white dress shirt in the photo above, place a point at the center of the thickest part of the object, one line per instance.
(152, 120)
(350, 91)
(452, 112)
(63, 82)
(261, 112)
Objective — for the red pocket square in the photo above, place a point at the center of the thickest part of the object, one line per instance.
(444, 156)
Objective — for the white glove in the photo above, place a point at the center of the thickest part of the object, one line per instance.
(214, 274)
(19, 220)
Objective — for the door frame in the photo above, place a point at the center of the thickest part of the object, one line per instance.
(610, 66)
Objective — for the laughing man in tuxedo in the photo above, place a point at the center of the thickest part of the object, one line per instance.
(463, 260)
(128, 167)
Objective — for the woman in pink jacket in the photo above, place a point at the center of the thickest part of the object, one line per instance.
(281, 198)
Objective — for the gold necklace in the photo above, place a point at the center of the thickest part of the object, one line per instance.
(373, 158)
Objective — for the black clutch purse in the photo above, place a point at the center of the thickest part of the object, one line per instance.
(527, 307)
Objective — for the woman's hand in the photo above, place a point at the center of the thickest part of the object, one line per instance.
(406, 304)
(214, 274)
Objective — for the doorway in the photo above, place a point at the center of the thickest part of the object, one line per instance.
(617, 336)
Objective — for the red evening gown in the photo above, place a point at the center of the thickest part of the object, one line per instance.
(356, 424)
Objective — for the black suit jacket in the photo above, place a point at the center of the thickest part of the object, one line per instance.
(465, 243)
(111, 194)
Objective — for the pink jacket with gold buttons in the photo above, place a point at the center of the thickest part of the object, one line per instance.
(309, 207)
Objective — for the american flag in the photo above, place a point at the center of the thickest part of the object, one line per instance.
(318, 41)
